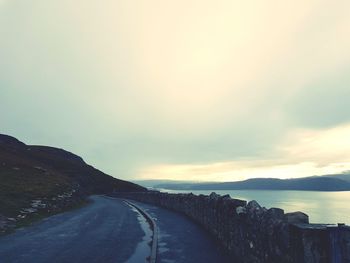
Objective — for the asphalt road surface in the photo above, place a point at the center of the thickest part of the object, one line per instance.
(107, 230)
(182, 241)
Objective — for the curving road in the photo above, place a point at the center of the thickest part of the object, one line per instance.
(180, 240)
(107, 230)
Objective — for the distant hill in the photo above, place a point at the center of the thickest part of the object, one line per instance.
(47, 179)
(152, 183)
(344, 176)
(314, 183)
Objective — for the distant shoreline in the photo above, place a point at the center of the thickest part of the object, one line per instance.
(286, 190)
(326, 183)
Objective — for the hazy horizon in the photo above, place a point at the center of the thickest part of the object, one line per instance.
(186, 90)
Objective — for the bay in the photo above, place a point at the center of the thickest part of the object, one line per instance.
(322, 207)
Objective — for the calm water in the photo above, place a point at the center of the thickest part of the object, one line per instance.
(322, 207)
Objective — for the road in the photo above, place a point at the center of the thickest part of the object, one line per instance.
(180, 240)
(107, 230)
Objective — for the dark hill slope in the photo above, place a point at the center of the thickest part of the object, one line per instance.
(91, 180)
(47, 179)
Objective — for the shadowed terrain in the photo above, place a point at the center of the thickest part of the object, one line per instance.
(40, 180)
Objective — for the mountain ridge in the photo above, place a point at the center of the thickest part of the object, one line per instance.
(312, 183)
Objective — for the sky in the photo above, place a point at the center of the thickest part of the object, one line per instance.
(190, 90)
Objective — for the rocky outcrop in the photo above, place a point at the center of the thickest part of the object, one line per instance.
(297, 218)
(251, 233)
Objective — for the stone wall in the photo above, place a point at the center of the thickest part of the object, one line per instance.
(251, 233)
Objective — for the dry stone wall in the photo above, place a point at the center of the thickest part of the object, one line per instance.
(250, 233)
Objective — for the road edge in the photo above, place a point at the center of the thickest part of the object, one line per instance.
(153, 256)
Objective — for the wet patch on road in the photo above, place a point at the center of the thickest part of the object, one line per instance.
(143, 249)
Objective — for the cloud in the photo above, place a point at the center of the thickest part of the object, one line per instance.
(130, 85)
(324, 103)
(303, 152)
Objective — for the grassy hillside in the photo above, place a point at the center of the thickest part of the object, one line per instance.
(44, 179)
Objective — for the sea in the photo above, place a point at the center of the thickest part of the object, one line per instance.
(321, 207)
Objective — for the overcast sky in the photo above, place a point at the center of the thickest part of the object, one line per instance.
(200, 90)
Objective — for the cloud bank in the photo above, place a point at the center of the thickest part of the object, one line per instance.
(135, 86)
